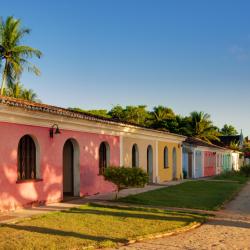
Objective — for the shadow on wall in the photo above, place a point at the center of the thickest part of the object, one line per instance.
(14, 195)
(31, 193)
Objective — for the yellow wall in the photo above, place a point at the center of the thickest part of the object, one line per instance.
(166, 174)
(142, 144)
(161, 174)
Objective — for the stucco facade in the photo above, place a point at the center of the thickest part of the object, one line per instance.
(78, 146)
(201, 159)
(166, 173)
(142, 144)
(48, 187)
(158, 141)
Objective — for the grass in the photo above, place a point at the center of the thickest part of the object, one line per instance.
(91, 225)
(205, 195)
(232, 176)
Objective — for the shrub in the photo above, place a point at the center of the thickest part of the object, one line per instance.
(245, 170)
(124, 177)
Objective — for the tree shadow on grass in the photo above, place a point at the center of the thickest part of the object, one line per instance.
(123, 214)
(56, 232)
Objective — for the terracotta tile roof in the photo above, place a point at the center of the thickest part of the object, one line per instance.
(198, 142)
(34, 106)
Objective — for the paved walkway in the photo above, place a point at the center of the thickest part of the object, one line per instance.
(230, 229)
(12, 217)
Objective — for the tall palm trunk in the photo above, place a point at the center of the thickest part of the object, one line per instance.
(3, 78)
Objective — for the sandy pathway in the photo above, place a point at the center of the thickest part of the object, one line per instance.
(230, 229)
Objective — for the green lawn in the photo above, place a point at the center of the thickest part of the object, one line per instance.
(206, 195)
(90, 225)
(232, 176)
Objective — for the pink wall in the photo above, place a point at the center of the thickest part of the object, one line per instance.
(50, 189)
(209, 163)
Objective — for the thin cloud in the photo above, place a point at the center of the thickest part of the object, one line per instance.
(239, 53)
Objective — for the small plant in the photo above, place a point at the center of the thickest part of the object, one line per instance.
(245, 170)
(124, 177)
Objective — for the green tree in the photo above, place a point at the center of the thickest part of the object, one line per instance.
(234, 145)
(117, 112)
(164, 118)
(161, 117)
(14, 90)
(29, 95)
(15, 55)
(162, 113)
(136, 114)
(17, 90)
(228, 130)
(201, 126)
(183, 126)
(124, 177)
(99, 112)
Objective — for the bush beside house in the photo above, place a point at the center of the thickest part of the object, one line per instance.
(124, 177)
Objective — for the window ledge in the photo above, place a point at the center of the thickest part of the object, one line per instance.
(29, 181)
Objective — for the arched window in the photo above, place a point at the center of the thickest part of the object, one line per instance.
(135, 156)
(104, 155)
(166, 157)
(150, 163)
(27, 168)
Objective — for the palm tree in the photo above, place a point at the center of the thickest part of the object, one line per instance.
(14, 90)
(202, 127)
(234, 145)
(161, 118)
(228, 130)
(162, 113)
(13, 53)
(29, 95)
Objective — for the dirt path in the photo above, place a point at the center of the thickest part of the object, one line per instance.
(230, 229)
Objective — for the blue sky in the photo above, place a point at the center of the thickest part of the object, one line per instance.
(187, 55)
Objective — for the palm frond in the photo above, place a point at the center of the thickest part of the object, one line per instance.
(16, 54)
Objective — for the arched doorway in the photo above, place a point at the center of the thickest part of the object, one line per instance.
(135, 156)
(150, 163)
(71, 168)
(174, 161)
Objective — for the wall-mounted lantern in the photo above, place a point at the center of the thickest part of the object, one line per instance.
(54, 130)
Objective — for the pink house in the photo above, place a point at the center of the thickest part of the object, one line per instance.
(42, 163)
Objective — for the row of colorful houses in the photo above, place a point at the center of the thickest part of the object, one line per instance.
(48, 153)
(202, 159)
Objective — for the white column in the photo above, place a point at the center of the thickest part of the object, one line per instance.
(121, 150)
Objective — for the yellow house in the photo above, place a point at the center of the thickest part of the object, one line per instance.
(169, 160)
(158, 153)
